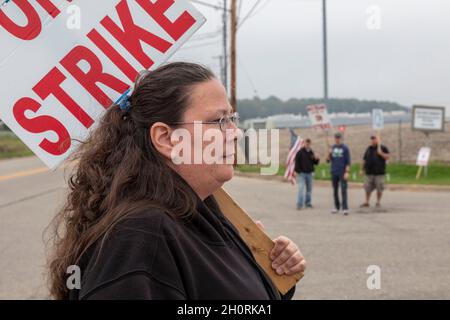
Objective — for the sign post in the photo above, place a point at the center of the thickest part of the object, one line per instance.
(258, 242)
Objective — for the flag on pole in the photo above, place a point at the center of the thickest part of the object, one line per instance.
(290, 161)
(293, 138)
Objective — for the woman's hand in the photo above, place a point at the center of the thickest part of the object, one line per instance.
(286, 257)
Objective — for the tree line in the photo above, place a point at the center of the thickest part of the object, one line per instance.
(256, 107)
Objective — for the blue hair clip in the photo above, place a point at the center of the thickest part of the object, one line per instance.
(5, 2)
(124, 101)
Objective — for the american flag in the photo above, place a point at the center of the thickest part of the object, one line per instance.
(296, 145)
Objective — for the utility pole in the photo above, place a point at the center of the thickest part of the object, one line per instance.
(233, 99)
(400, 143)
(225, 44)
(325, 50)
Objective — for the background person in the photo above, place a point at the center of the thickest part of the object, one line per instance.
(374, 167)
(339, 156)
(305, 160)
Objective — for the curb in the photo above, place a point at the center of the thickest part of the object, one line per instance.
(352, 185)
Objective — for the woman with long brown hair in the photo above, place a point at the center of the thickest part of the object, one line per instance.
(140, 226)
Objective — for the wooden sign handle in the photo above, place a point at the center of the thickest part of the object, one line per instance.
(259, 243)
(327, 141)
(419, 172)
(379, 140)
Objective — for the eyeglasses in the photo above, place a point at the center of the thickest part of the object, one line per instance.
(224, 122)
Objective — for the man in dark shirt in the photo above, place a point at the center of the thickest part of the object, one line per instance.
(305, 160)
(374, 166)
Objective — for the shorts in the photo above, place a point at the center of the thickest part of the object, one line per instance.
(373, 182)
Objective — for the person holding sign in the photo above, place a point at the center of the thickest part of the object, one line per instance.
(137, 224)
(374, 167)
(339, 156)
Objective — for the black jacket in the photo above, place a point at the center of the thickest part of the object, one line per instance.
(153, 256)
(305, 161)
(374, 164)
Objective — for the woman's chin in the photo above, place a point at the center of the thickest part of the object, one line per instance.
(225, 172)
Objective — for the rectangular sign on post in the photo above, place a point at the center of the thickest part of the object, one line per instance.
(377, 119)
(428, 119)
(318, 115)
(64, 64)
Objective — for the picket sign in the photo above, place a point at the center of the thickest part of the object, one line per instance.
(259, 243)
(57, 82)
(319, 118)
(318, 115)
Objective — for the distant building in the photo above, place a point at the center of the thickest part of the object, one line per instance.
(285, 121)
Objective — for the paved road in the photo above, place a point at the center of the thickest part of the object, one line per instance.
(409, 241)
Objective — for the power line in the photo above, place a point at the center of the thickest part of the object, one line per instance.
(261, 8)
(217, 7)
(239, 9)
(201, 45)
(207, 35)
(255, 91)
(249, 13)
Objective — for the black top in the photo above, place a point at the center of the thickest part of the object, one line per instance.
(305, 161)
(374, 163)
(153, 256)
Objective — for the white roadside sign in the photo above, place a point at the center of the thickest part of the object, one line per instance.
(318, 115)
(59, 76)
(377, 119)
(423, 158)
(428, 118)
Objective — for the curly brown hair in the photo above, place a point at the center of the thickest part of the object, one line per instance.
(118, 171)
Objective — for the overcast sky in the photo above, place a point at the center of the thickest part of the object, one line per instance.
(406, 60)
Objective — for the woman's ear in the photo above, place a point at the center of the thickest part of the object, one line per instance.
(160, 135)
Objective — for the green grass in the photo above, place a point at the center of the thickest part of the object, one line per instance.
(12, 147)
(438, 174)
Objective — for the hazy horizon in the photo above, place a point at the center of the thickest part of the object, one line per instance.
(405, 61)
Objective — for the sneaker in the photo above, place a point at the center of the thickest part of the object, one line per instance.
(345, 212)
(299, 208)
(334, 211)
(309, 206)
(364, 205)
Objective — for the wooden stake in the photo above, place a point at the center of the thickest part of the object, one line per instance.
(327, 141)
(419, 172)
(379, 139)
(259, 243)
